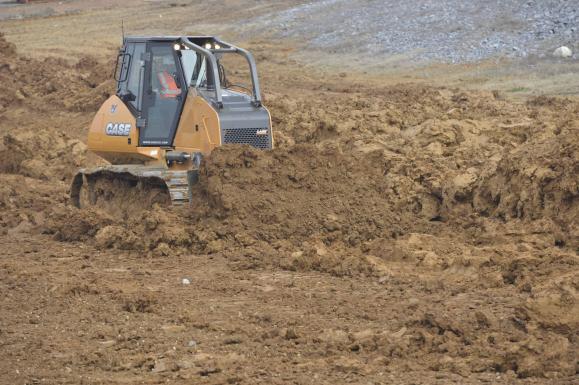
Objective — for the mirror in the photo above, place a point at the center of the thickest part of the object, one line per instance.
(122, 67)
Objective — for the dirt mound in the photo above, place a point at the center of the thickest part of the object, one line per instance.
(51, 84)
(299, 193)
(26, 203)
(41, 155)
(157, 232)
(538, 180)
(7, 49)
(454, 212)
(40, 102)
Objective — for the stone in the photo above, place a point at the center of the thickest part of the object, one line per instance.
(297, 254)
(563, 52)
(160, 366)
(162, 250)
(19, 95)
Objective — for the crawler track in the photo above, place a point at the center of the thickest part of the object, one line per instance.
(121, 188)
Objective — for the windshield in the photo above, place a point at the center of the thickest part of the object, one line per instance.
(194, 68)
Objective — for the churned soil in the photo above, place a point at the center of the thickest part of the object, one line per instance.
(402, 234)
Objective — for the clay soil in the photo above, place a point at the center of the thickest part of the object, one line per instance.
(398, 234)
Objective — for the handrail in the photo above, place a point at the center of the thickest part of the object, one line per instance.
(253, 67)
(226, 48)
(214, 69)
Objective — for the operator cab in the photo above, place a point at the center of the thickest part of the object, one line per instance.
(155, 75)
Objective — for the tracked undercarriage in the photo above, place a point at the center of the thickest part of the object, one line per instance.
(112, 186)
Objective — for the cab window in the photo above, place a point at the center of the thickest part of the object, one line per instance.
(136, 74)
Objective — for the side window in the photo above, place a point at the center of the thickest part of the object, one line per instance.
(188, 62)
(200, 73)
(136, 74)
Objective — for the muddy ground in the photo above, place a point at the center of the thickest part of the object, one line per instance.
(398, 234)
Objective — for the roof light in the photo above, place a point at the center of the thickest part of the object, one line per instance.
(177, 47)
(208, 46)
(217, 46)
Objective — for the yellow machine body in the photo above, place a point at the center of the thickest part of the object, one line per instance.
(198, 132)
(173, 106)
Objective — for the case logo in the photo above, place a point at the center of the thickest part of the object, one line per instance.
(261, 132)
(118, 129)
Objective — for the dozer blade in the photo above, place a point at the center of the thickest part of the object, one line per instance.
(131, 187)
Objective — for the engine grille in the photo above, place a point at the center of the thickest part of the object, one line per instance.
(248, 136)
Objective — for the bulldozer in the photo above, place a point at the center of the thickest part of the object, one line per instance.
(174, 104)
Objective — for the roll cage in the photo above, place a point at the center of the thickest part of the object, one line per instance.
(210, 49)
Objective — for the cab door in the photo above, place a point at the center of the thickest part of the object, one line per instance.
(130, 77)
(163, 97)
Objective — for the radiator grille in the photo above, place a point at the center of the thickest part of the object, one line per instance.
(248, 136)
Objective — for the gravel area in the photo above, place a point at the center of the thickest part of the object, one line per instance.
(442, 30)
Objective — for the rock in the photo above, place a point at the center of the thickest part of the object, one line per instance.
(163, 250)
(321, 250)
(19, 95)
(233, 340)
(160, 366)
(215, 246)
(50, 87)
(297, 254)
(435, 148)
(331, 223)
(430, 206)
(185, 281)
(192, 344)
(464, 181)
(109, 236)
(563, 52)
(108, 343)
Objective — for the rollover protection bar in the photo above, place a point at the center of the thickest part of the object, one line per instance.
(209, 55)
